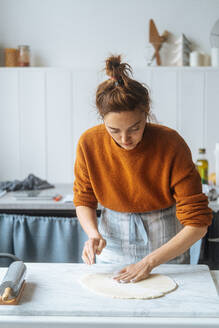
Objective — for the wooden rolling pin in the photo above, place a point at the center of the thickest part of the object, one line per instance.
(7, 294)
(13, 280)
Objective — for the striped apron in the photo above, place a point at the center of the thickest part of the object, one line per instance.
(132, 236)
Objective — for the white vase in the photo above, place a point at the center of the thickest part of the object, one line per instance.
(196, 58)
(217, 163)
(215, 57)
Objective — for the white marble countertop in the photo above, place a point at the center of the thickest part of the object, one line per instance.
(8, 201)
(54, 297)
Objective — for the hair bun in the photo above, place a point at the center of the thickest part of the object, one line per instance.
(121, 92)
(117, 70)
(112, 66)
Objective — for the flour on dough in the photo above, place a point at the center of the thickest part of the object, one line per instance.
(156, 285)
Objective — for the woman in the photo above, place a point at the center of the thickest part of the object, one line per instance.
(143, 176)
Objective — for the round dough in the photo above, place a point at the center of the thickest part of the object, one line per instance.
(156, 285)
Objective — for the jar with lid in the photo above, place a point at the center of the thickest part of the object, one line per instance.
(11, 55)
(202, 165)
(23, 56)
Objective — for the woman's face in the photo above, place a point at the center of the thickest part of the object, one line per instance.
(126, 128)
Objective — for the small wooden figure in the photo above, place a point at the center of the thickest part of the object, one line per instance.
(156, 40)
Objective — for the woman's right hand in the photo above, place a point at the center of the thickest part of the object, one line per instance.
(93, 246)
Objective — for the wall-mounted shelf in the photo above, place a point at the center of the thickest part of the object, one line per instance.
(178, 68)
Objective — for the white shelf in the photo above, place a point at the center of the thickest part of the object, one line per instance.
(179, 68)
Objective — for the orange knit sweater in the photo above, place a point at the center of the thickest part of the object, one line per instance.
(156, 174)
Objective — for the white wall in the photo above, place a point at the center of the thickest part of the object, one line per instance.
(81, 33)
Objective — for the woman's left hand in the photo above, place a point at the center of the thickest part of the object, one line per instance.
(134, 272)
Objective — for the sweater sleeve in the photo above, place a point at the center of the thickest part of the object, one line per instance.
(83, 191)
(191, 204)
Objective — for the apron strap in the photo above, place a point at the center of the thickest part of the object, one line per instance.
(134, 224)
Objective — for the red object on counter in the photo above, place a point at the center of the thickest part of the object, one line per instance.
(57, 198)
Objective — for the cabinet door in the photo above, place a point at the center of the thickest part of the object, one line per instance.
(32, 123)
(191, 109)
(212, 115)
(164, 96)
(9, 126)
(84, 109)
(59, 138)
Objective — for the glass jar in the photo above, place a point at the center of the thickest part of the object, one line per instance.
(23, 56)
(11, 55)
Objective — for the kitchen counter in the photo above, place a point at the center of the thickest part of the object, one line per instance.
(53, 210)
(8, 201)
(54, 297)
(8, 204)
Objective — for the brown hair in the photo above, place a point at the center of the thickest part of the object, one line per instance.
(120, 92)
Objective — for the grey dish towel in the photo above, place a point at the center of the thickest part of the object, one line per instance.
(30, 183)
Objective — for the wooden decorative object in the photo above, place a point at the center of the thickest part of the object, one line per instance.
(156, 40)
